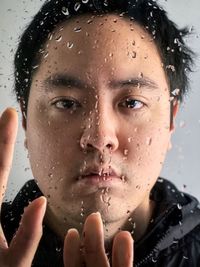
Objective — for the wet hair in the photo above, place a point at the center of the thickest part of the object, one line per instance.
(176, 57)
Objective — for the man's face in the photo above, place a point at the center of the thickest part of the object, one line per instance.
(99, 102)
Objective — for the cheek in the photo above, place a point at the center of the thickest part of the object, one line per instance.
(51, 146)
(147, 148)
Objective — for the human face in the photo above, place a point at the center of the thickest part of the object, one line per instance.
(99, 102)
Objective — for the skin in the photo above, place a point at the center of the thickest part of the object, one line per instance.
(102, 132)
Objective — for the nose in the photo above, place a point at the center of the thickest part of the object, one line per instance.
(100, 133)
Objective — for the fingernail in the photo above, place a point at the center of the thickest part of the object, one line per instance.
(96, 213)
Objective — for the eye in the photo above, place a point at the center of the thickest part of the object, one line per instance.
(66, 104)
(132, 103)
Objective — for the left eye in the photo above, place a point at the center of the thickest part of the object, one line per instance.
(66, 104)
(132, 103)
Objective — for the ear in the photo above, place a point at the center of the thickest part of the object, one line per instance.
(174, 110)
(22, 107)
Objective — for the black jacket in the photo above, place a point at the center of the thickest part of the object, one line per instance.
(172, 238)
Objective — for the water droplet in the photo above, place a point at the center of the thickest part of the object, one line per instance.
(65, 11)
(140, 75)
(154, 259)
(70, 45)
(179, 206)
(134, 54)
(58, 249)
(35, 67)
(149, 141)
(50, 175)
(123, 178)
(77, 29)
(171, 67)
(182, 124)
(125, 152)
(130, 139)
(85, 1)
(77, 6)
(176, 92)
(46, 54)
(58, 38)
(105, 3)
(191, 29)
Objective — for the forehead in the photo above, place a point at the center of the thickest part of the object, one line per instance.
(102, 45)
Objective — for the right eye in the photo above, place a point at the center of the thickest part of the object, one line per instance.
(66, 104)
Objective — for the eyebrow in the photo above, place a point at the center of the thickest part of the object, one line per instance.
(66, 80)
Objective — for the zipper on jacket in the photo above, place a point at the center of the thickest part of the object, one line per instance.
(152, 252)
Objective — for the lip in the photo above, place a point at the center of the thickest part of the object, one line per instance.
(99, 181)
(103, 176)
(100, 172)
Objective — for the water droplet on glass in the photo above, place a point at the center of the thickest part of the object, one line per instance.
(130, 139)
(149, 141)
(179, 206)
(77, 6)
(70, 45)
(58, 38)
(35, 67)
(77, 29)
(123, 178)
(154, 259)
(140, 75)
(50, 175)
(191, 29)
(182, 124)
(133, 55)
(85, 1)
(176, 92)
(125, 152)
(58, 249)
(65, 11)
(46, 54)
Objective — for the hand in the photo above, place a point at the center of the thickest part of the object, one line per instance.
(94, 254)
(22, 248)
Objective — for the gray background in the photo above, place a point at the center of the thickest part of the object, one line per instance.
(182, 165)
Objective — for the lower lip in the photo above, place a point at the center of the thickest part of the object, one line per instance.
(100, 180)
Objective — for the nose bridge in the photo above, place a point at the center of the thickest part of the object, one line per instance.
(100, 131)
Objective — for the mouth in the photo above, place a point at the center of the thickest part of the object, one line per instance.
(100, 177)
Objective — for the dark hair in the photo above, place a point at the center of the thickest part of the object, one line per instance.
(177, 58)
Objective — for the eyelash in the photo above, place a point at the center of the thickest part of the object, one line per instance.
(67, 101)
(135, 101)
(73, 102)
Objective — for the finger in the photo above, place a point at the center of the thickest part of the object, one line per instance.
(71, 255)
(93, 242)
(8, 133)
(24, 245)
(122, 254)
